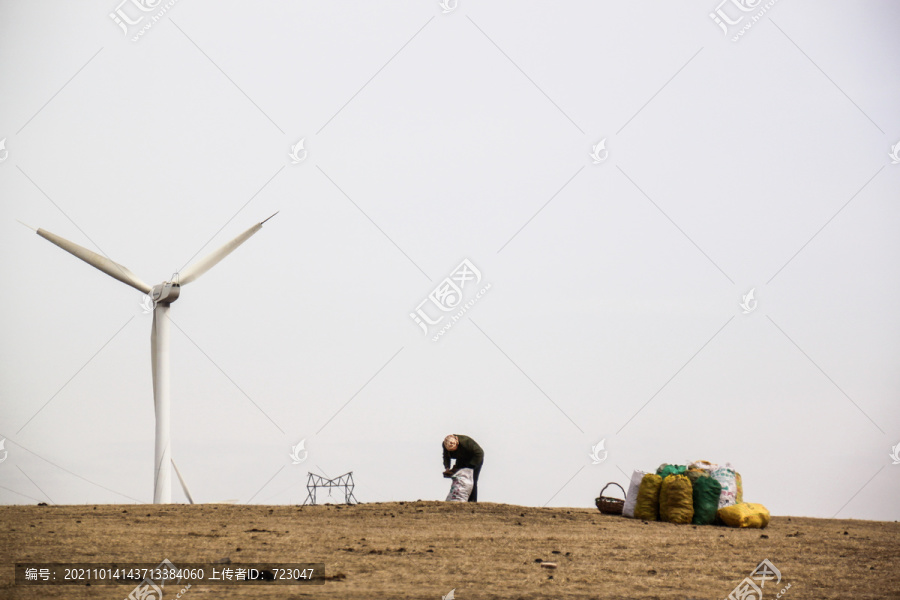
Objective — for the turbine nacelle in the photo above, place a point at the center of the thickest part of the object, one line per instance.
(166, 292)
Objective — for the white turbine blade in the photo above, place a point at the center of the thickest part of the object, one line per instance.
(183, 484)
(113, 269)
(213, 258)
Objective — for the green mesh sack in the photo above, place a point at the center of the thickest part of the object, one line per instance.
(706, 500)
(665, 470)
(676, 499)
(647, 505)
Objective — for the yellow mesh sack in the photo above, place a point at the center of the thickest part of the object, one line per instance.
(647, 505)
(695, 474)
(676, 499)
(744, 515)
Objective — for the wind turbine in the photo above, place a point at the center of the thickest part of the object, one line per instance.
(163, 295)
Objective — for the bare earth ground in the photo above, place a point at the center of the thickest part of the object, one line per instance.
(425, 549)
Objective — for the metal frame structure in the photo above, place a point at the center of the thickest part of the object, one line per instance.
(344, 481)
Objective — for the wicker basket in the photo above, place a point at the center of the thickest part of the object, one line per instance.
(608, 505)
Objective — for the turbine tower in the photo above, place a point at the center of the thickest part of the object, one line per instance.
(163, 295)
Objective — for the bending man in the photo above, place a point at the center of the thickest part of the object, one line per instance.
(468, 454)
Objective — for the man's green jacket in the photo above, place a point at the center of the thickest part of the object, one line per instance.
(468, 454)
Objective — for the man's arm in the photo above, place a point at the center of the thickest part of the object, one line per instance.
(446, 458)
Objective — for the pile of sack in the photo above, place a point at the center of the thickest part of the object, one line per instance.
(701, 493)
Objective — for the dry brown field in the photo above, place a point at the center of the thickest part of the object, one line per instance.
(426, 549)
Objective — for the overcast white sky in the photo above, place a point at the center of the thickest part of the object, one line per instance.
(614, 311)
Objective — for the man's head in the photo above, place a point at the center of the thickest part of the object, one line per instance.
(451, 443)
